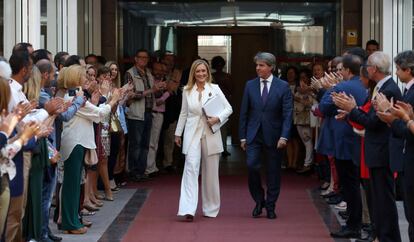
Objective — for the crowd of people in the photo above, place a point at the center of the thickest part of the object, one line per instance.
(71, 127)
(356, 126)
(64, 135)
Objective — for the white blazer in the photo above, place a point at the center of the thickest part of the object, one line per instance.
(190, 116)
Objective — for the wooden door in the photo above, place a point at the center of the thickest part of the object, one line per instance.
(244, 48)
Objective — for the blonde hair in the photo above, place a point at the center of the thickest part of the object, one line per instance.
(32, 87)
(71, 76)
(118, 76)
(192, 79)
(4, 93)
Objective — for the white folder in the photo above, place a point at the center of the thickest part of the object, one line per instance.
(213, 108)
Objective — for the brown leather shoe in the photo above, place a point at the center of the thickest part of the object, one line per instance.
(76, 231)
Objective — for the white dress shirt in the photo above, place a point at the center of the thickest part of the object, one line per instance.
(79, 130)
(269, 83)
(17, 96)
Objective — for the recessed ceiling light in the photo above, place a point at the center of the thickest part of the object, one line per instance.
(154, 3)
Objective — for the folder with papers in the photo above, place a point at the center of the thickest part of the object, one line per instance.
(213, 108)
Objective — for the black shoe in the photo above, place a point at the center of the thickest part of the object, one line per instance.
(271, 214)
(257, 211)
(334, 200)
(170, 169)
(346, 232)
(368, 238)
(141, 178)
(304, 170)
(153, 174)
(331, 194)
(225, 153)
(54, 237)
(343, 213)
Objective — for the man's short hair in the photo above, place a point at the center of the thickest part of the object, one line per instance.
(372, 42)
(266, 57)
(72, 60)
(60, 58)
(381, 61)
(44, 66)
(18, 61)
(40, 54)
(358, 51)
(22, 46)
(405, 60)
(353, 63)
(140, 51)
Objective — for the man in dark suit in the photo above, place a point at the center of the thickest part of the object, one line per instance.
(265, 122)
(377, 151)
(345, 142)
(404, 62)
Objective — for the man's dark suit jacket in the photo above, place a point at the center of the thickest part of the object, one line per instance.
(274, 117)
(377, 133)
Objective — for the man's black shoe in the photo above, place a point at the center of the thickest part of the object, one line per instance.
(141, 178)
(54, 237)
(257, 211)
(271, 214)
(331, 194)
(346, 232)
(170, 169)
(369, 238)
(225, 153)
(334, 200)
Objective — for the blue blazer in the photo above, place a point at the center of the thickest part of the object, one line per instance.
(344, 136)
(378, 148)
(400, 130)
(3, 140)
(274, 116)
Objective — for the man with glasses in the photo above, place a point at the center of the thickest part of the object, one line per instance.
(139, 114)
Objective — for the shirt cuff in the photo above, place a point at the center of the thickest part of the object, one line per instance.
(1, 132)
(283, 138)
(243, 140)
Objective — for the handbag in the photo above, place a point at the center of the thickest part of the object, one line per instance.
(53, 154)
(115, 124)
(91, 158)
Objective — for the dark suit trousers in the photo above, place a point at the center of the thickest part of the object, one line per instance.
(384, 207)
(272, 156)
(408, 181)
(349, 179)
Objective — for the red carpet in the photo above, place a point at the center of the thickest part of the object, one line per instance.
(298, 219)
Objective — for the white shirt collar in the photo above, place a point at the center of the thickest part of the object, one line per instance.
(381, 83)
(269, 79)
(409, 84)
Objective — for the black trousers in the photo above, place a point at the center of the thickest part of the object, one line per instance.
(349, 179)
(408, 185)
(384, 207)
(272, 156)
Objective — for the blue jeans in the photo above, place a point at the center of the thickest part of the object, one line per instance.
(49, 186)
(139, 133)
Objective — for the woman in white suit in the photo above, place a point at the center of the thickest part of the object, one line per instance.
(200, 144)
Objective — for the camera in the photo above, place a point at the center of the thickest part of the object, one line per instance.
(72, 92)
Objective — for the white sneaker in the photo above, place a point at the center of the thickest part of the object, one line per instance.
(341, 206)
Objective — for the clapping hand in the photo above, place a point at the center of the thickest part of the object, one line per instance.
(9, 121)
(386, 117)
(341, 114)
(315, 84)
(343, 101)
(105, 87)
(382, 104)
(55, 106)
(403, 111)
(28, 131)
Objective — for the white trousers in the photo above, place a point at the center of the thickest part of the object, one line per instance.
(157, 119)
(210, 190)
(305, 133)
